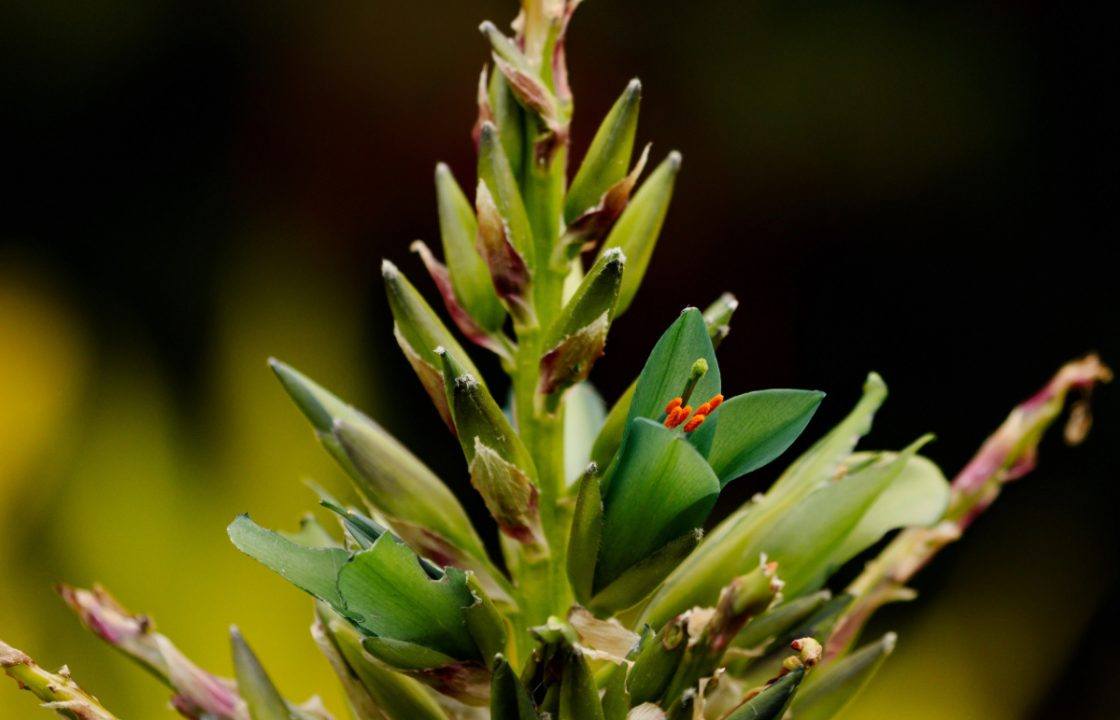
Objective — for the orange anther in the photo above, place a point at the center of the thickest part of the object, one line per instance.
(716, 401)
(676, 417)
(704, 409)
(673, 405)
(696, 421)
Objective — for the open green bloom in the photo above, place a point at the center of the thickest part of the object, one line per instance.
(672, 463)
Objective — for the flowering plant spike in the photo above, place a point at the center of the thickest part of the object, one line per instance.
(608, 601)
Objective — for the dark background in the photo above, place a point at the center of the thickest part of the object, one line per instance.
(923, 189)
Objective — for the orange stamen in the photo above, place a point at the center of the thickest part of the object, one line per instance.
(673, 405)
(705, 409)
(716, 401)
(676, 417)
(696, 421)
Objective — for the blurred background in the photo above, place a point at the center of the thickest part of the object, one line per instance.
(919, 188)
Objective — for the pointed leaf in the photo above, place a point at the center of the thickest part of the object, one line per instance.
(313, 570)
(772, 702)
(254, 685)
(495, 173)
(508, 698)
(579, 695)
(810, 540)
(916, 498)
(470, 277)
(642, 578)
(608, 157)
(586, 535)
(398, 483)
(374, 690)
(477, 415)
(718, 317)
(637, 230)
(509, 118)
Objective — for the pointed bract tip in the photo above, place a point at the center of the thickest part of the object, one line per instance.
(486, 27)
(614, 255)
(634, 91)
(889, 641)
(675, 161)
(487, 132)
(389, 271)
(442, 170)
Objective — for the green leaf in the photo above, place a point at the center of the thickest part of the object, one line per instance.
(833, 687)
(320, 406)
(586, 535)
(509, 700)
(406, 656)
(656, 661)
(396, 482)
(755, 428)
(637, 230)
(374, 690)
(469, 275)
(313, 570)
(780, 620)
(417, 323)
(616, 699)
(477, 415)
(388, 594)
(642, 578)
(594, 297)
(657, 490)
(509, 118)
(254, 685)
(494, 170)
(584, 414)
(579, 695)
(917, 497)
(772, 702)
(819, 463)
(608, 157)
(669, 365)
(810, 541)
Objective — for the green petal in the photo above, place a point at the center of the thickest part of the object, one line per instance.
(755, 428)
(657, 490)
(668, 367)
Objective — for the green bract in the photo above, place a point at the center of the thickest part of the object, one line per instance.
(609, 601)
